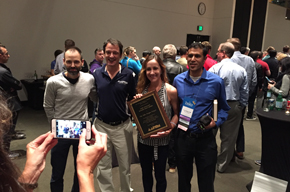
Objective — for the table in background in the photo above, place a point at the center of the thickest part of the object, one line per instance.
(275, 127)
(35, 92)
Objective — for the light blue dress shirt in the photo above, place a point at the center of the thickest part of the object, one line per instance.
(249, 65)
(235, 79)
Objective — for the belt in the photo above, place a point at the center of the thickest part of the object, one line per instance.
(199, 135)
(232, 101)
(112, 123)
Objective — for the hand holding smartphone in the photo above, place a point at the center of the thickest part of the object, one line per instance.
(269, 81)
(70, 129)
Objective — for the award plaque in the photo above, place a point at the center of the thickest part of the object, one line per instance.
(149, 114)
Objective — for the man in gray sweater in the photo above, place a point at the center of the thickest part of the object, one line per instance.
(66, 97)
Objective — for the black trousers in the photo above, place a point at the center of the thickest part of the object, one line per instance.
(8, 136)
(59, 155)
(240, 143)
(172, 154)
(204, 150)
(251, 103)
(146, 156)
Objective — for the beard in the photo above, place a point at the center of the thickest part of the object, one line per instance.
(74, 70)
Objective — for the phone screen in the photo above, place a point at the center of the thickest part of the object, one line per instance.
(70, 128)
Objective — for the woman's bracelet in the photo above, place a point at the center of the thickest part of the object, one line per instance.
(173, 123)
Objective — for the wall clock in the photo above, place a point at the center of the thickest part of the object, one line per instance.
(201, 8)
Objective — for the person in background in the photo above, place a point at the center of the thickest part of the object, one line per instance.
(249, 65)
(8, 89)
(52, 64)
(273, 64)
(245, 50)
(59, 66)
(286, 50)
(266, 53)
(153, 78)
(283, 80)
(156, 50)
(260, 80)
(209, 62)
(182, 51)
(131, 60)
(13, 180)
(237, 93)
(85, 67)
(98, 61)
(172, 67)
(145, 55)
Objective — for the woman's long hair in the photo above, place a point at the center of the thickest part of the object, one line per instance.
(143, 81)
(9, 173)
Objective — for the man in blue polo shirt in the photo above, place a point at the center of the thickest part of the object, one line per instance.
(115, 86)
(197, 89)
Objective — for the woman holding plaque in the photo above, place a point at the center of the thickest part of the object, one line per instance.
(155, 148)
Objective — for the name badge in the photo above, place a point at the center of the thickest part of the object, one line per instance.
(187, 109)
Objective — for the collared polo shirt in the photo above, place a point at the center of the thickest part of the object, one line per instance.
(113, 94)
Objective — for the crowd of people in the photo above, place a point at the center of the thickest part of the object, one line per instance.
(187, 88)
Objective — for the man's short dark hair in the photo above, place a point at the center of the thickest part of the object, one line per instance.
(286, 49)
(57, 52)
(236, 42)
(260, 54)
(273, 53)
(198, 46)
(228, 48)
(113, 42)
(98, 49)
(69, 43)
(244, 50)
(145, 53)
(183, 50)
(73, 49)
(255, 55)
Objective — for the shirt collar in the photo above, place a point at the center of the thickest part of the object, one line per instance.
(204, 75)
(104, 70)
(237, 53)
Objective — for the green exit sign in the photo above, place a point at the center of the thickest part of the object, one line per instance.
(199, 28)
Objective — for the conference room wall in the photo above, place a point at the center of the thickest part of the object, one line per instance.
(277, 28)
(32, 30)
(223, 20)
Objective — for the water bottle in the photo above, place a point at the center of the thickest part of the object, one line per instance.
(267, 101)
(279, 101)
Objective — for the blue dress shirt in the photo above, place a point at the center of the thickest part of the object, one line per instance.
(235, 79)
(204, 90)
(249, 65)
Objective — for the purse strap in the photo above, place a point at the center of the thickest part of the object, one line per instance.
(128, 61)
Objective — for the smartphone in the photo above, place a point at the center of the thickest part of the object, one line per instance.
(271, 82)
(70, 129)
